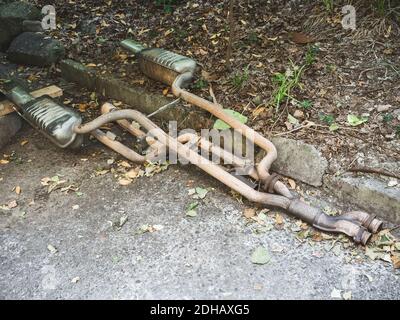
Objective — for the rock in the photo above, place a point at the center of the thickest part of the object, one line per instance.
(298, 114)
(12, 16)
(9, 126)
(369, 194)
(257, 100)
(396, 113)
(383, 107)
(299, 160)
(35, 49)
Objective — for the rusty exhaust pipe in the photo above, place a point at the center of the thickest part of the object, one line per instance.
(181, 146)
(177, 71)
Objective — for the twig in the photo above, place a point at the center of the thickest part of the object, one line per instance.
(308, 125)
(376, 171)
(231, 34)
(163, 108)
(213, 95)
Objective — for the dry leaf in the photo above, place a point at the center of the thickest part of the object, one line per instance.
(18, 190)
(3, 161)
(396, 261)
(249, 212)
(52, 249)
(24, 142)
(292, 184)
(124, 164)
(12, 204)
(75, 280)
(301, 38)
(278, 219)
(132, 174)
(124, 182)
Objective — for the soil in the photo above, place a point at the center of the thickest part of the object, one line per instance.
(345, 72)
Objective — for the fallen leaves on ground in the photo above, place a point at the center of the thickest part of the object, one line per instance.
(75, 280)
(53, 183)
(249, 212)
(384, 247)
(260, 256)
(18, 190)
(52, 249)
(149, 228)
(191, 210)
(198, 193)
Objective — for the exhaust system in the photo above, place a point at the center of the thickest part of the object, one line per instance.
(177, 71)
(63, 126)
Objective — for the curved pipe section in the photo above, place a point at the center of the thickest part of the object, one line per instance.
(298, 208)
(216, 110)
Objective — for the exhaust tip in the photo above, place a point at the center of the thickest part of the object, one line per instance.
(363, 237)
(132, 46)
(375, 226)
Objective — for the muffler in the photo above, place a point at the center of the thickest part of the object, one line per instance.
(55, 121)
(160, 64)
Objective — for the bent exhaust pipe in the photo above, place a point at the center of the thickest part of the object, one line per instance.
(177, 71)
(64, 127)
(296, 207)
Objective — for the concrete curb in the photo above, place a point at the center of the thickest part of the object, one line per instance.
(368, 194)
(138, 98)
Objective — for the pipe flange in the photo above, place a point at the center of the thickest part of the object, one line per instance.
(373, 224)
(362, 236)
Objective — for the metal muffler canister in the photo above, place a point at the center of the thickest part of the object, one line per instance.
(160, 64)
(55, 121)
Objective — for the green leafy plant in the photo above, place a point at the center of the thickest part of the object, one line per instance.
(200, 84)
(327, 118)
(252, 38)
(240, 78)
(388, 117)
(354, 121)
(221, 125)
(397, 131)
(306, 104)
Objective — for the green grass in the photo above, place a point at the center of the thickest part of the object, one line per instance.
(328, 4)
(285, 83)
(381, 6)
(311, 53)
(166, 4)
